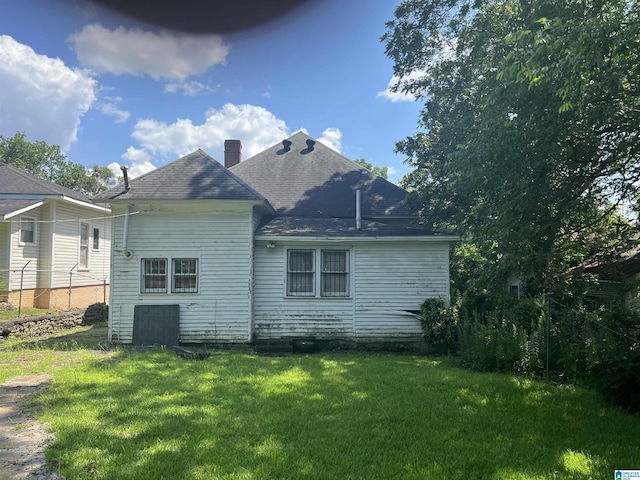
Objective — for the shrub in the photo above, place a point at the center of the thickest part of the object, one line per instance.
(440, 323)
(96, 313)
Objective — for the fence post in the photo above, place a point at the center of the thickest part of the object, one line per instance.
(70, 277)
(104, 290)
(21, 282)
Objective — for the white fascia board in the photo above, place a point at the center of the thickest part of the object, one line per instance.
(85, 204)
(22, 210)
(430, 238)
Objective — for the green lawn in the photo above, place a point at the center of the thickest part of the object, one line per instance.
(154, 415)
(13, 314)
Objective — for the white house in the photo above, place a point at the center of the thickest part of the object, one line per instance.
(297, 242)
(55, 244)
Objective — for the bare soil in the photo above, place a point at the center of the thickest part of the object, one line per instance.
(22, 438)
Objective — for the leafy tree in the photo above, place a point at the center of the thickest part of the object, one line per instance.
(375, 169)
(48, 162)
(530, 127)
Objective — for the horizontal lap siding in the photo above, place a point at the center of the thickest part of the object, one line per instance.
(276, 316)
(27, 255)
(393, 279)
(220, 311)
(67, 246)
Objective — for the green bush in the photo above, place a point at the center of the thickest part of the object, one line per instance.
(440, 323)
(614, 366)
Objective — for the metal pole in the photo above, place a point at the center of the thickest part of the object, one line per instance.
(104, 291)
(70, 278)
(21, 281)
(548, 331)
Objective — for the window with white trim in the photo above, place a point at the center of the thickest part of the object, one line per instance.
(83, 254)
(301, 273)
(185, 275)
(328, 268)
(335, 273)
(27, 230)
(154, 275)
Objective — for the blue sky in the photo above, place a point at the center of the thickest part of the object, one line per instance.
(111, 91)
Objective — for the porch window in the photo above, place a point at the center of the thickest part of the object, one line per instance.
(301, 273)
(154, 275)
(83, 257)
(27, 230)
(335, 273)
(185, 275)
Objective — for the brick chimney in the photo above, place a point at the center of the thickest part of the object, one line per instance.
(232, 153)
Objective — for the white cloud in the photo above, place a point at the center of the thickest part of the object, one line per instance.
(398, 95)
(332, 137)
(41, 95)
(191, 88)
(112, 110)
(255, 126)
(137, 52)
(140, 162)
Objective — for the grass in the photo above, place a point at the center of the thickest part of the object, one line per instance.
(12, 314)
(325, 416)
(63, 349)
(141, 415)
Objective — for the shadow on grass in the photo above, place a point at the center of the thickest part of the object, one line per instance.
(328, 416)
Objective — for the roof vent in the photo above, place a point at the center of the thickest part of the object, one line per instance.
(286, 145)
(310, 144)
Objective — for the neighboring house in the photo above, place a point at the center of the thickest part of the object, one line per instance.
(54, 244)
(614, 283)
(275, 247)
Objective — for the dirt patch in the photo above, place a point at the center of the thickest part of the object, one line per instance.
(22, 438)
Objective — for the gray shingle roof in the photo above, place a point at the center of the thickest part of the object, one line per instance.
(10, 206)
(334, 227)
(195, 176)
(317, 181)
(16, 182)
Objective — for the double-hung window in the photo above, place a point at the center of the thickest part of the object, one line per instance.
(185, 275)
(328, 268)
(155, 275)
(27, 231)
(301, 273)
(335, 273)
(83, 254)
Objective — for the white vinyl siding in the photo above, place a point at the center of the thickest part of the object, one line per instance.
(221, 310)
(277, 315)
(392, 281)
(56, 251)
(68, 244)
(387, 281)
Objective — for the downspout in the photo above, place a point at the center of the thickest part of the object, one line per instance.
(358, 216)
(126, 253)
